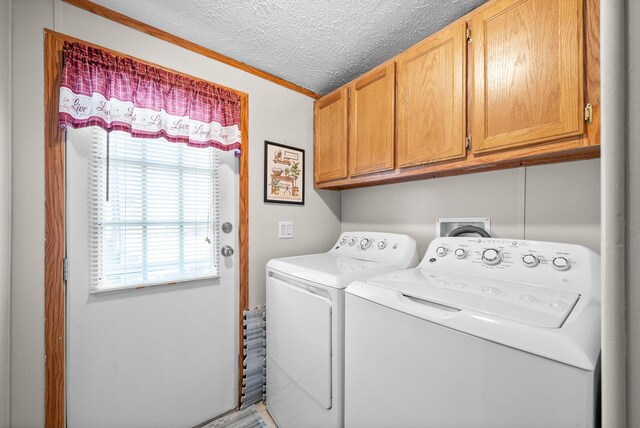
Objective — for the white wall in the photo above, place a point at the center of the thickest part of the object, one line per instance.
(275, 114)
(559, 202)
(5, 208)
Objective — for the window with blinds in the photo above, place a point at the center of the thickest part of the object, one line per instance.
(154, 212)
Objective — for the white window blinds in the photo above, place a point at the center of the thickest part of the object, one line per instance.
(154, 212)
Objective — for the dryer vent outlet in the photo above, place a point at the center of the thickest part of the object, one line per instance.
(444, 226)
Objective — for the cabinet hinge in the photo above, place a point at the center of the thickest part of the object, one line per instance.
(588, 113)
(65, 269)
(468, 34)
(467, 142)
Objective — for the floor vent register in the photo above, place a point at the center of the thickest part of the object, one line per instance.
(255, 351)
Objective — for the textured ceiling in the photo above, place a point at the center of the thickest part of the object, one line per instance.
(318, 45)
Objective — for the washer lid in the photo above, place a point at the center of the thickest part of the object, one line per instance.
(534, 305)
(329, 269)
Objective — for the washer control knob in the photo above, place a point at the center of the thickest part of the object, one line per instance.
(343, 241)
(382, 245)
(461, 253)
(529, 260)
(441, 251)
(491, 257)
(352, 242)
(365, 243)
(561, 263)
(528, 299)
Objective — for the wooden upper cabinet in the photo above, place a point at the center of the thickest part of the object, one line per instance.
(431, 99)
(371, 119)
(528, 73)
(330, 129)
(513, 75)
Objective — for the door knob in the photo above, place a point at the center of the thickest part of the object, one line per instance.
(227, 251)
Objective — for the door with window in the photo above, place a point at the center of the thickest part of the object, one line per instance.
(151, 303)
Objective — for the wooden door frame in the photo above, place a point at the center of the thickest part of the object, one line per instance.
(55, 216)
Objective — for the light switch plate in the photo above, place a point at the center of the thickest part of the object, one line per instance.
(285, 230)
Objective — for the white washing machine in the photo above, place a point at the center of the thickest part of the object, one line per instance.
(305, 324)
(484, 333)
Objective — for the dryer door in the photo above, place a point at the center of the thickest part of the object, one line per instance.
(299, 335)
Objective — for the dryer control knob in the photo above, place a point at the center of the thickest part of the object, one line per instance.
(461, 253)
(561, 263)
(365, 243)
(352, 242)
(343, 241)
(441, 251)
(382, 245)
(491, 257)
(529, 260)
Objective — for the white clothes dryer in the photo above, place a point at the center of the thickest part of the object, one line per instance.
(305, 324)
(484, 333)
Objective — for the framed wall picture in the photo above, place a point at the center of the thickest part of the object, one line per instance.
(283, 174)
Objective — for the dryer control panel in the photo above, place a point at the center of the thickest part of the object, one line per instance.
(391, 248)
(548, 264)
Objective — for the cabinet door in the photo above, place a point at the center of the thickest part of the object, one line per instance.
(528, 73)
(372, 116)
(431, 99)
(330, 127)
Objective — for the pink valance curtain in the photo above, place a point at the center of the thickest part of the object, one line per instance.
(122, 94)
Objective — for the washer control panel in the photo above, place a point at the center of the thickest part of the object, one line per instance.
(392, 248)
(532, 262)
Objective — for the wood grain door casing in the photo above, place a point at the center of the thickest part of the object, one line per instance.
(331, 131)
(372, 121)
(431, 99)
(528, 73)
